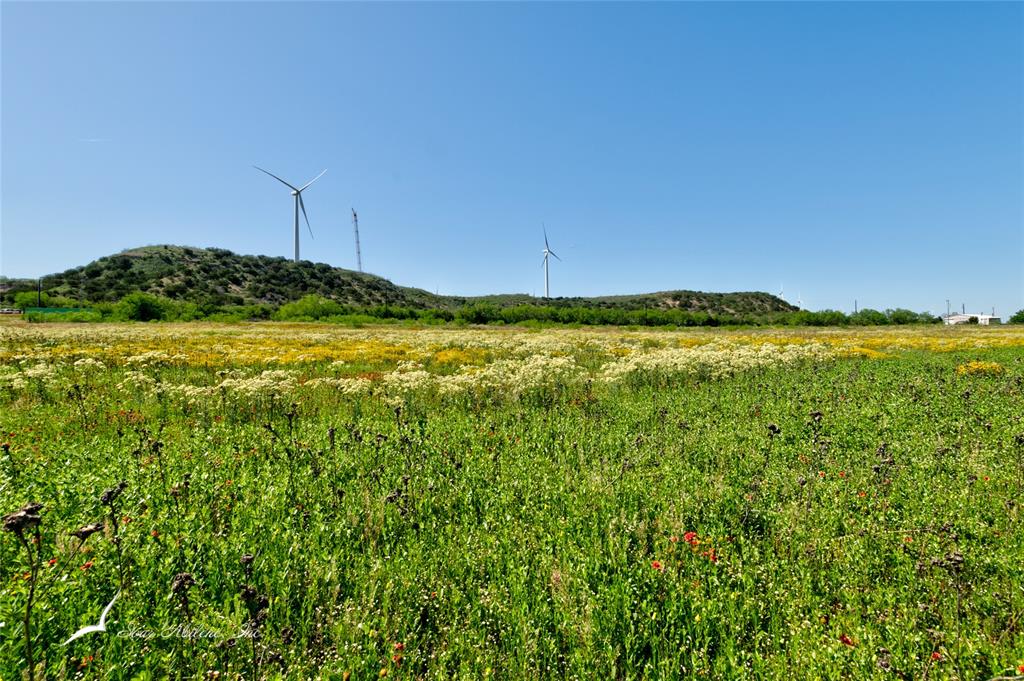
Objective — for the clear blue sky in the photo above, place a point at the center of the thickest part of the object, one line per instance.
(871, 151)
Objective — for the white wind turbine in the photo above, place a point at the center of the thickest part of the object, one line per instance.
(92, 628)
(297, 193)
(547, 252)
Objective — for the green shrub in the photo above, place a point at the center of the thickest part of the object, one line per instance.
(307, 308)
(141, 307)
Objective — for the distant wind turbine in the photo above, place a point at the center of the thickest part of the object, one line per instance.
(359, 256)
(781, 294)
(92, 628)
(547, 251)
(799, 303)
(297, 193)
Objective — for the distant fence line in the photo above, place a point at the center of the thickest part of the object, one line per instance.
(54, 310)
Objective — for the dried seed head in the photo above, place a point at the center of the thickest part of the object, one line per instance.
(181, 582)
(85, 531)
(25, 518)
(249, 594)
(954, 560)
(773, 430)
(111, 494)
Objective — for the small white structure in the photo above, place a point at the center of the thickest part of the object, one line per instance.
(984, 319)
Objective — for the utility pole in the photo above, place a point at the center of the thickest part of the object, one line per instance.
(854, 306)
(355, 224)
(947, 307)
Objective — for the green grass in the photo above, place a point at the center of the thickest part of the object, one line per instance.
(880, 527)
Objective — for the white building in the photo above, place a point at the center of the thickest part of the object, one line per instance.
(985, 319)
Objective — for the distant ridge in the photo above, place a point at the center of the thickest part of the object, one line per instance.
(218, 276)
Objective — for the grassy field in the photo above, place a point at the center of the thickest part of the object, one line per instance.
(301, 501)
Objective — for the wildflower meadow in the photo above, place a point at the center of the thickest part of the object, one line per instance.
(299, 501)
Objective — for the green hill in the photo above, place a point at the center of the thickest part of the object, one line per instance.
(220, 277)
(215, 276)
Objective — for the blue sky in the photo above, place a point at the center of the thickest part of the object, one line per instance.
(847, 151)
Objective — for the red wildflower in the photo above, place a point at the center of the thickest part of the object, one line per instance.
(396, 658)
(656, 564)
(673, 539)
(1021, 669)
(399, 646)
(842, 474)
(690, 538)
(51, 562)
(846, 640)
(710, 553)
(125, 519)
(154, 534)
(936, 656)
(862, 494)
(821, 474)
(86, 566)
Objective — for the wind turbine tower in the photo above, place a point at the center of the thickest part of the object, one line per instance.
(355, 224)
(547, 252)
(299, 204)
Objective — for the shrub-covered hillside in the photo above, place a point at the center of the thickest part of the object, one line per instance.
(214, 276)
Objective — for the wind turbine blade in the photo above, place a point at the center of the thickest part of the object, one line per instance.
(302, 205)
(545, 234)
(275, 177)
(554, 254)
(314, 179)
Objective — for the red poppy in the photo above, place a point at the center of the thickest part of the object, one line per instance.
(154, 534)
(842, 474)
(690, 538)
(710, 553)
(656, 564)
(846, 640)
(1021, 669)
(936, 655)
(399, 646)
(51, 562)
(86, 566)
